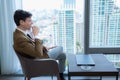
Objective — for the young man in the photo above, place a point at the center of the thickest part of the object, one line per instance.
(33, 47)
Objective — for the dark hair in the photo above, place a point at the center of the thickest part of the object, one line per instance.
(21, 15)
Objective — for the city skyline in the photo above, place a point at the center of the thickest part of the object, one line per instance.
(97, 19)
(104, 24)
(64, 31)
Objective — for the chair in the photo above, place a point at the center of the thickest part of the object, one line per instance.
(38, 67)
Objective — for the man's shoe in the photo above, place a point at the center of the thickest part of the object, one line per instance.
(62, 76)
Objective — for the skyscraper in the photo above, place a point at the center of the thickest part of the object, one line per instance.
(67, 26)
(104, 24)
(69, 4)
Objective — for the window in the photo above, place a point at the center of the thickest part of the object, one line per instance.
(103, 32)
(102, 27)
(60, 22)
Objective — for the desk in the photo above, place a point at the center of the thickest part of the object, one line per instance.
(102, 67)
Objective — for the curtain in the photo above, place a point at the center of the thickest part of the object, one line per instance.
(9, 62)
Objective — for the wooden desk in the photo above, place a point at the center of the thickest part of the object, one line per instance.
(102, 67)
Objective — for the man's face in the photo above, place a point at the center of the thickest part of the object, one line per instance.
(27, 24)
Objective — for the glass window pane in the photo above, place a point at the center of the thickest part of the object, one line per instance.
(104, 23)
(60, 22)
(104, 29)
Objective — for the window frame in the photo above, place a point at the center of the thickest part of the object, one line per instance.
(87, 49)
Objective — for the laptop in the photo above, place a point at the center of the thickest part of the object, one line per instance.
(84, 60)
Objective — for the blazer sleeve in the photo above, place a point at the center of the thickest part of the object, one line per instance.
(31, 48)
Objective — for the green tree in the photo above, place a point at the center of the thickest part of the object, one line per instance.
(78, 46)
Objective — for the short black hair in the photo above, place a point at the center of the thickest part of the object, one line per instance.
(21, 15)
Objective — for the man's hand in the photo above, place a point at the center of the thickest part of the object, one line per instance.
(35, 30)
(51, 47)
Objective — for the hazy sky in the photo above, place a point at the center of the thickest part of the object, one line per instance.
(47, 4)
(41, 4)
(117, 2)
(53, 4)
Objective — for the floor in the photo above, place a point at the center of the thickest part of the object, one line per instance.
(54, 78)
(21, 77)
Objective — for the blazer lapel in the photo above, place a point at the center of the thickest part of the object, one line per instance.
(30, 39)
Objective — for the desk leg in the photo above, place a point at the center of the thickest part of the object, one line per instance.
(117, 77)
(68, 77)
(100, 77)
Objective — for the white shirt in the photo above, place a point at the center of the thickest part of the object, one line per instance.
(30, 33)
(25, 32)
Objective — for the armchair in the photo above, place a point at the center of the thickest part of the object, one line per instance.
(38, 67)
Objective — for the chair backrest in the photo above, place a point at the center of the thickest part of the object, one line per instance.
(38, 67)
(25, 63)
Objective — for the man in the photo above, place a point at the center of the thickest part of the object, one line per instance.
(33, 47)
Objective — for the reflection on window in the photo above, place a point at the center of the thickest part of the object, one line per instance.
(60, 22)
(115, 59)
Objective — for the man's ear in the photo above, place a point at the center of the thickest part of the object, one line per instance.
(21, 22)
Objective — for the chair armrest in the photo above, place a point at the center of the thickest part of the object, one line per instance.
(42, 66)
(47, 59)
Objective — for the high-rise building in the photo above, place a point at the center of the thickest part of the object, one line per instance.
(104, 24)
(69, 4)
(67, 26)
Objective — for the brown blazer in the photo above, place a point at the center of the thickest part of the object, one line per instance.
(24, 45)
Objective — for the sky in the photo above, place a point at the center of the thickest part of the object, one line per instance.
(53, 4)
(47, 4)
(41, 4)
(117, 2)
